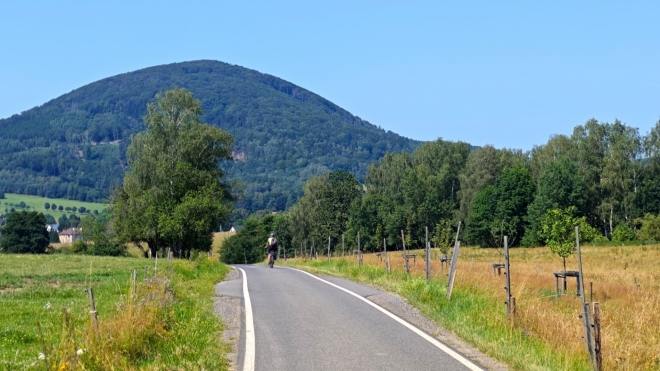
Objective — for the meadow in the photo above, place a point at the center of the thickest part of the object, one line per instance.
(36, 203)
(547, 332)
(45, 319)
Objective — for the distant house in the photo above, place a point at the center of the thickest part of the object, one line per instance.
(232, 229)
(70, 235)
(53, 227)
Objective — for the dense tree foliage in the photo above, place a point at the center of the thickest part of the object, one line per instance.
(324, 209)
(409, 191)
(75, 145)
(500, 210)
(650, 228)
(174, 194)
(24, 233)
(248, 244)
(601, 178)
(559, 187)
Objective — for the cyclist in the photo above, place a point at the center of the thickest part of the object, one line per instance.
(271, 247)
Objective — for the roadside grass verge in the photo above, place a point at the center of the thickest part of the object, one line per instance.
(473, 314)
(167, 324)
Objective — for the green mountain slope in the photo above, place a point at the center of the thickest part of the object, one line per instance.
(74, 146)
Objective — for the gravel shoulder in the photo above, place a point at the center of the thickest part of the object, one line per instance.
(227, 304)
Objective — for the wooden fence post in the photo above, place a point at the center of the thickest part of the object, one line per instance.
(405, 256)
(342, 245)
(507, 276)
(586, 308)
(328, 248)
(134, 279)
(387, 259)
(359, 251)
(452, 269)
(92, 304)
(597, 348)
(428, 256)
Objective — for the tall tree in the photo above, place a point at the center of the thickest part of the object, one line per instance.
(24, 233)
(620, 175)
(559, 187)
(303, 221)
(174, 193)
(335, 199)
(514, 192)
(482, 212)
(647, 198)
(482, 167)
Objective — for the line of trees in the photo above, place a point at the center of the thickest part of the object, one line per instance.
(604, 177)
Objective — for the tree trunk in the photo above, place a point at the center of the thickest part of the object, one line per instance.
(142, 249)
(611, 216)
(153, 247)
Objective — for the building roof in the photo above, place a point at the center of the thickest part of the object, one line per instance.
(71, 232)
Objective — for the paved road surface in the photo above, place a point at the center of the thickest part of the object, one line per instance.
(302, 323)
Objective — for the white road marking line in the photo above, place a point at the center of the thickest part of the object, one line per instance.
(248, 362)
(467, 363)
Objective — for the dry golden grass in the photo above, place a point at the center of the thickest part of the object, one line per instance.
(630, 312)
(218, 238)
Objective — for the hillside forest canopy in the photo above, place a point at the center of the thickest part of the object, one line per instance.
(604, 177)
(75, 146)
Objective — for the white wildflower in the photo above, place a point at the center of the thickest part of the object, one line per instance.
(79, 352)
(47, 306)
(42, 356)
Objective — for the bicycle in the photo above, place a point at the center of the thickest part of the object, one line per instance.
(272, 257)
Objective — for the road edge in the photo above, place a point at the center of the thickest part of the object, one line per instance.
(414, 317)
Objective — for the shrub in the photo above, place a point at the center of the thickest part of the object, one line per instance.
(650, 228)
(79, 247)
(622, 232)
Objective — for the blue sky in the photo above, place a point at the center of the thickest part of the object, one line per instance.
(507, 73)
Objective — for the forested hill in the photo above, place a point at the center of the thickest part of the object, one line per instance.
(74, 146)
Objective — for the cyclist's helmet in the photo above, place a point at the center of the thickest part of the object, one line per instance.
(272, 234)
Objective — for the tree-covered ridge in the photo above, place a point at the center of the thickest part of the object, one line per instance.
(74, 146)
(604, 178)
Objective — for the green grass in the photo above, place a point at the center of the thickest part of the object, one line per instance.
(471, 315)
(36, 203)
(35, 289)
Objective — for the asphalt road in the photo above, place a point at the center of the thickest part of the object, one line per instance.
(302, 323)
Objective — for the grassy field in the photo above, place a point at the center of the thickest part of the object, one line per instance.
(144, 331)
(37, 203)
(547, 332)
